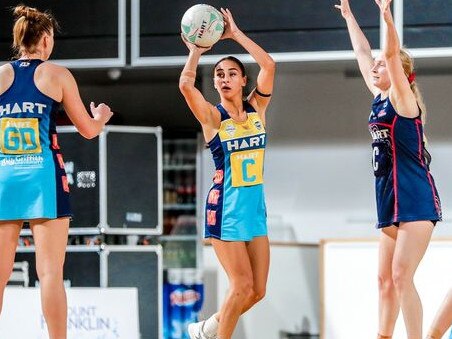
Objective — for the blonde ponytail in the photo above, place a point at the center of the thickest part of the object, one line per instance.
(408, 68)
(29, 26)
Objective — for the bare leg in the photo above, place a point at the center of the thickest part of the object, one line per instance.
(50, 238)
(388, 300)
(9, 235)
(443, 319)
(233, 256)
(412, 242)
(259, 254)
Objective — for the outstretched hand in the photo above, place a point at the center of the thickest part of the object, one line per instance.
(194, 48)
(230, 28)
(385, 6)
(344, 7)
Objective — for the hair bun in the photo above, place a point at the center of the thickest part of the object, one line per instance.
(25, 11)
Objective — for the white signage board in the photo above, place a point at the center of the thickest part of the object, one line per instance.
(350, 288)
(93, 313)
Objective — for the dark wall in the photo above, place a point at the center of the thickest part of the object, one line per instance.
(144, 97)
(89, 28)
(428, 23)
(279, 26)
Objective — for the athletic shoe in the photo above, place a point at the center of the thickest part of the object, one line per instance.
(195, 331)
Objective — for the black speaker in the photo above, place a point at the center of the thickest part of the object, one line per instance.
(115, 180)
(133, 178)
(81, 161)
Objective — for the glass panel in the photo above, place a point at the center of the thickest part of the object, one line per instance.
(289, 26)
(89, 29)
(428, 23)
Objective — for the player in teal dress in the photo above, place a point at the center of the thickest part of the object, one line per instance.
(33, 185)
(235, 208)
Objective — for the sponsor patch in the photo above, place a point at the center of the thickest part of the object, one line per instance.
(213, 197)
(218, 177)
(211, 217)
(65, 184)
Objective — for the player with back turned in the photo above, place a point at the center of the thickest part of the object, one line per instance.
(33, 184)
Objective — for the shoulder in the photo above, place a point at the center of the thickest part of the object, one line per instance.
(54, 73)
(6, 70)
(6, 77)
(54, 69)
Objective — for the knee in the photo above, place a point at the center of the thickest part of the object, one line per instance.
(385, 284)
(401, 278)
(258, 294)
(243, 289)
(46, 272)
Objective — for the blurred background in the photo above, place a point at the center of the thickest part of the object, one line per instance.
(142, 185)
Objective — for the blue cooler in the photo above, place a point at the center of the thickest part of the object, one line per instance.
(183, 297)
(193, 295)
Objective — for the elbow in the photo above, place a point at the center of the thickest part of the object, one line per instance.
(391, 53)
(89, 133)
(270, 64)
(185, 86)
(363, 51)
(90, 136)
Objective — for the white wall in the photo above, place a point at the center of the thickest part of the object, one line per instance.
(350, 287)
(291, 303)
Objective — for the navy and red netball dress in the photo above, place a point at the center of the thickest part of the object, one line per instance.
(405, 189)
(33, 181)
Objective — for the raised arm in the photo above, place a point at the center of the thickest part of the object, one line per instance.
(400, 93)
(260, 96)
(360, 44)
(200, 107)
(88, 126)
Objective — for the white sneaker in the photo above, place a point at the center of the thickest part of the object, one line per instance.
(195, 331)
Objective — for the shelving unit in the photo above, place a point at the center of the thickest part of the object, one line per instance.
(180, 236)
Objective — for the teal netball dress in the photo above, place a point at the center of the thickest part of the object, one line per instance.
(235, 207)
(33, 181)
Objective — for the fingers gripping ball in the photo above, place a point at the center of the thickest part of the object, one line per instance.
(202, 25)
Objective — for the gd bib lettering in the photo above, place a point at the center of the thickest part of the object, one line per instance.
(19, 136)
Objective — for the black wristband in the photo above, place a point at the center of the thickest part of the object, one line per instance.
(262, 94)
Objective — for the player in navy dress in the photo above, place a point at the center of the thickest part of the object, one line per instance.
(408, 205)
(33, 184)
(235, 207)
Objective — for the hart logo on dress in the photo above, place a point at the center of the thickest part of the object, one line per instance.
(22, 107)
